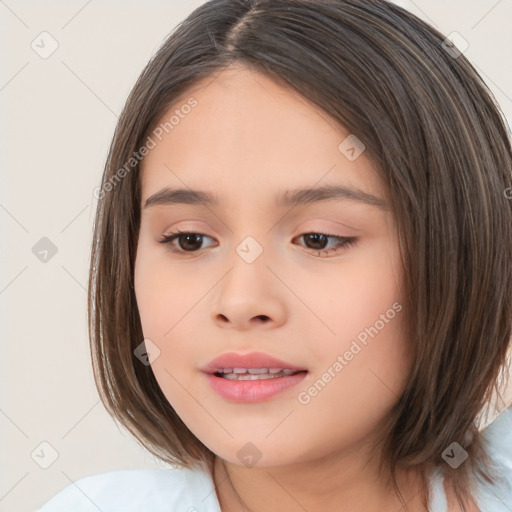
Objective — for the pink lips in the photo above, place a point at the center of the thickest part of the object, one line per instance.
(252, 360)
(250, 390)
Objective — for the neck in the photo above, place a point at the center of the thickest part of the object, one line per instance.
(340, 483)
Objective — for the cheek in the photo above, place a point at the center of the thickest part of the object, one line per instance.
(171, 305)
(367, 354)
(361, 376)
(166, 295)
(375, 340)
(167, 303)
(354, 295)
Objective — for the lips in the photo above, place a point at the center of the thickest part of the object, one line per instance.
(254, 377)
(234, 363)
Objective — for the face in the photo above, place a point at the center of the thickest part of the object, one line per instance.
(314, 284)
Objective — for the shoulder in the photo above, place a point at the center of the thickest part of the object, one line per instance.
(498, 443)
(157, 490)
(497, 437)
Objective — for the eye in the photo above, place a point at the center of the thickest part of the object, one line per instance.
(189, 241)
(318, 242)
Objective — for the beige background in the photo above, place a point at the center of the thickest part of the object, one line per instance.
(57, 119)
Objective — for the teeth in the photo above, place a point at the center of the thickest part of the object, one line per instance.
(257, 371)
(248, 376)
(254, 373)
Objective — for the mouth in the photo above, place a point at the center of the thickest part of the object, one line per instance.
(255, 373)
(253, 363)
(253, 377)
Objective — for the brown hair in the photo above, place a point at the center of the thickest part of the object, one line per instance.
(440, 143)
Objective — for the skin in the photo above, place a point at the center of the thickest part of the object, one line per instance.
(247, 139)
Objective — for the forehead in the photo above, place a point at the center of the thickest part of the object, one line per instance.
(248, 135)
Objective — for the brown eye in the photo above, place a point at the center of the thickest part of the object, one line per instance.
(187, 241)
(318, 242)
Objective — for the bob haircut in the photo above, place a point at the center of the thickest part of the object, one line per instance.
(441, 145)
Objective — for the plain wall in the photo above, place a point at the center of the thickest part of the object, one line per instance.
(58, 115)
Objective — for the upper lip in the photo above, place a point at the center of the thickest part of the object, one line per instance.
(251, 360)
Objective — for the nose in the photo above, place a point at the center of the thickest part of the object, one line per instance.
(248, 296)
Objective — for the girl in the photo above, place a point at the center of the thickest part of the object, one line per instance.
(300, 279)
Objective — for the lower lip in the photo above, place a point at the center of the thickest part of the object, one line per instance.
(248, 391)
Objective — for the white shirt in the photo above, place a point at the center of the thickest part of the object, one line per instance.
(192, 490)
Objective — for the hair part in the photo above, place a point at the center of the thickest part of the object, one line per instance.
(438, 140)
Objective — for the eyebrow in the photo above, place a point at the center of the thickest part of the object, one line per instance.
(171, 196)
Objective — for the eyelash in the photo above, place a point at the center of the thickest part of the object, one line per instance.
(345, 242)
